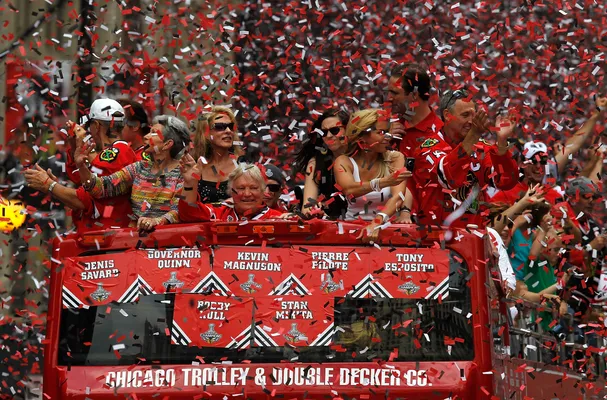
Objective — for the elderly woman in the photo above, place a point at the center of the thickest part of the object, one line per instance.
(215, 143)
(371, 175)
(154, 186)
(246, 185)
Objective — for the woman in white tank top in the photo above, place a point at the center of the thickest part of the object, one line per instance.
(372, 176)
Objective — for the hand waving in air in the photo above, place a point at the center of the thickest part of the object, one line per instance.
(190, 170)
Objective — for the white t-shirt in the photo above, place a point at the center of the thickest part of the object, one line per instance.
(503, 261)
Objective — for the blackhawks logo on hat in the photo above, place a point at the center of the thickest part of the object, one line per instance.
(429, 143)
(109, 154)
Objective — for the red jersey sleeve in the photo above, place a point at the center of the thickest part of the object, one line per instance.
(71, 169)
(498, 171)
(197, 212)
(88, 201)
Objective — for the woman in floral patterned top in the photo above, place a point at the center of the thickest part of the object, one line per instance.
(154, 185)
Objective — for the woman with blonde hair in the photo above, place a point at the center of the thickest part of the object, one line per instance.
(370, 174)
(217, 148)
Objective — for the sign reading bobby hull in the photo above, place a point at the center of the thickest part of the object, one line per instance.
(210, 321)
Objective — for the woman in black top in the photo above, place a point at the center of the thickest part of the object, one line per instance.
(325, 142)
(216, 148)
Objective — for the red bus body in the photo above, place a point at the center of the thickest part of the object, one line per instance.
(478, 378)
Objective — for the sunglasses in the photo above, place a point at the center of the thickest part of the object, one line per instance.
(273, 187)
(591, 196)
(222, 126)
(457, 94)
(333, 131)
(542, 160)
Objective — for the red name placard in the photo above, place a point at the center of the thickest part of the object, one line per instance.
(97, 280)
(212, 321)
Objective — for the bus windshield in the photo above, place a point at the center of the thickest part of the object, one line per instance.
(157, 329)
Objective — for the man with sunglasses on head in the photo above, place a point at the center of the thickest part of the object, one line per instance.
(448, 155)
(487, 165)
(533, 165)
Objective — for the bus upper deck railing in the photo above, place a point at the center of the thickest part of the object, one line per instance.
(569, 342)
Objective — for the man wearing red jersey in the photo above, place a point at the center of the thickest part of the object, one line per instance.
(246, 184)
(450, 164)
(105, 121)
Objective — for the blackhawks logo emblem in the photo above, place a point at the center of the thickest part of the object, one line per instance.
(429, 143)
(145, 156)
(109, 154)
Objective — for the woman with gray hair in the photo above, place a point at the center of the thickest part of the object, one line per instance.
(246, 184)
(154, 185)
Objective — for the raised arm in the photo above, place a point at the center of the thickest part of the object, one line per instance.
(189, 207)
(594, 166)
(532, 196)
(538, 242)
(501, 169)
(310, 194)
(451, 166)
(575, 142)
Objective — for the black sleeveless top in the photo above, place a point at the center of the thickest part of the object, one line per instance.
(213, 192)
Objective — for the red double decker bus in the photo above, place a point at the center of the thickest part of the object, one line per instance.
(284, 310)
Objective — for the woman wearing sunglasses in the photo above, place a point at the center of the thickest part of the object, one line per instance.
(216, 146)
(325, 142)
(371, 175)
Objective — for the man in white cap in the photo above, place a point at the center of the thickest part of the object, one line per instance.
(104, 122)
(534, 164)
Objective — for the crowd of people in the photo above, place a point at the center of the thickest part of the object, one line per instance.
(410, 162)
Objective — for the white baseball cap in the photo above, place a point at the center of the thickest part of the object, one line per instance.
(106, 110)
(532, 148)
